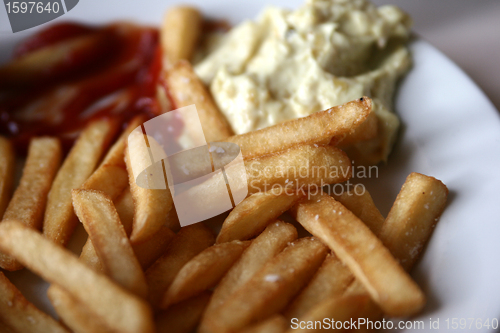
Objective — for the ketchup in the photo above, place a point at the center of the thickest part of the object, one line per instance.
(50, 36)
(120, 84)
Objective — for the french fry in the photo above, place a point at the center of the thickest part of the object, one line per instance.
(183, 317)
(190, 241)
(7, 161)
(270, 290)
(185, 89)
(21, 315)
(319, 128)
(298, 169)
(413, 217)
(340, 309)
(60, 220)
(180, 32)
(163, 99)
(111, 176)
(409, 227)
(203, 272)
(275, 324)
(151, 206)
(147, 253)
(74, 314)
(117, 308)
(89, 256)
(353, 242)
(29, 199)
(330, 281)
(371, 310)
(4, 328)
(253, 214)
(263, 248)
(333, 277)
(367, 130)
(371, 151)
(100, 219)
(125, 208)
(363, 207)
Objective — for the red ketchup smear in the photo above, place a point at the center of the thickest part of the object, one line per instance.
(50, 36)
(121, 84)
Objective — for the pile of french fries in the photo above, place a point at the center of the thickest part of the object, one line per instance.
(140, 272)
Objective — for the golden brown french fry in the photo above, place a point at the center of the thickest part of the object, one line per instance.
(333, 277)
(367, 130)
(275, 324)
(4, 328)
(151, 207)
(7, 161)
(301, 169)
(203, 272)
(125, 208)
(253, 214)
(319, 128)
(330, 281)
(29, 199)
(100, 219)
(363, 207)
(60, 220)
(108, 179)
(74, 314)
(183, 317)
(185, 89)
(34, 67)
(162, 97)
(117, 308)
(263, 248)
(327, 308)
(20, 314)
(413, 217)
(340, 309)
(148, 252)
(190, 241)
(270, 290)
(89, 256)
(111, 176)
(180, 32)
(353, 242)
(371, 311)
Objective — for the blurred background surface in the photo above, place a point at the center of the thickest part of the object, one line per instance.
(467, 31)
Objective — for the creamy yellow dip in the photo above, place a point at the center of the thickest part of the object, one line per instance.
(288, 64)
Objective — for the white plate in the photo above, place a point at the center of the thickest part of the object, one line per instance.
(451, 131)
